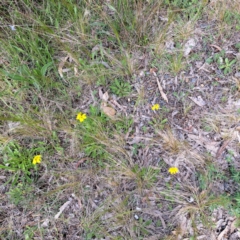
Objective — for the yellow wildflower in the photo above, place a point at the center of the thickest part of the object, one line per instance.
(173, 170)
(81, 116)
(37, 159)
(155, 107)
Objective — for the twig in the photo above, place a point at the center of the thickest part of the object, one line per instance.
(62, 208)
(222, 148)
(164, 96)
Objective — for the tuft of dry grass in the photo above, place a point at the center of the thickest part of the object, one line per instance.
(171, 143)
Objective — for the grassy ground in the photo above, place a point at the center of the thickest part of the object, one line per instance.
(100, 99)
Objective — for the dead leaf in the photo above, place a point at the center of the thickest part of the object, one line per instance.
(198, 100)
(78, 200)
(217, 47)
(183, 226)
(152, 70)
(114, 103)
(81, 161)
(135, 140)
(211, 146)
(110, 112)
(222, 148)
(189, 45)
(75, 71)
(61, 65)
(13, 125)
(100, 93)
(205, 67)
(105, 97)
(233, 226)
(45, 224)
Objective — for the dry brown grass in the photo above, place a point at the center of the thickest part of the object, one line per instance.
(171, 143)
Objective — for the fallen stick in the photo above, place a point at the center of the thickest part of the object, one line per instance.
(164, 96)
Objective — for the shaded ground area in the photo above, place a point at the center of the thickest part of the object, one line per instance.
(107, 177)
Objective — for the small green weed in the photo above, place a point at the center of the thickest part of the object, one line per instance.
(120, 88)
(159, 123)
(99, 133)
(237, 45)
(20, 194)
(145, 176)
(91, 131)
(179, 96)
(141, 228)
(224, 99)
(235, 198)
(235, 177)
(19, 160)
(232, 18)
(176, 63)
(135, 148)
(222, 62)
(217, 57)
(189, 9)
(123, 125)
(212, 174)
(181, 3)
(227, 201)
(227, 65)
(29, 232)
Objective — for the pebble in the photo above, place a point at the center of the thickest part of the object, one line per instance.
(136, 217)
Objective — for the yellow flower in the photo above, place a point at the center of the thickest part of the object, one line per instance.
(155, 107)
(173, 170)
(81, 116)
(37, 159)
